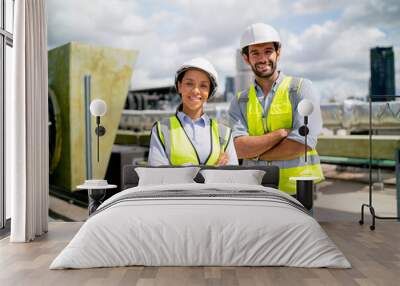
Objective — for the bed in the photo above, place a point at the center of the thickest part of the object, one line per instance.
(201, 223)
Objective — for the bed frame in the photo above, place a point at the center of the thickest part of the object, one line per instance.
(271, 178)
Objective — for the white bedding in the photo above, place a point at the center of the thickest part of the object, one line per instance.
(189, 230)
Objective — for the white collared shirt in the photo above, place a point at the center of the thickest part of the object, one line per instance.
(199, 134)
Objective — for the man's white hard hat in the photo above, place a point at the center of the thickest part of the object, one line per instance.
(259, 33)
(201, 64)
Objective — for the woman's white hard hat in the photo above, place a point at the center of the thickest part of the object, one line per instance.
(259, 33)
(201, 64)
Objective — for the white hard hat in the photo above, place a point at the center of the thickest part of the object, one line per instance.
(201, 64)
(259, 33)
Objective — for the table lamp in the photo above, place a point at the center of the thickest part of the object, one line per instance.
(305, 108)
(98, 108)
(305, 184)
(97, 188)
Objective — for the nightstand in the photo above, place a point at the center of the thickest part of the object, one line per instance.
(305, 190)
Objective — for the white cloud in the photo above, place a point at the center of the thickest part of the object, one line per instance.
(149, 81)
(324, 49)
(304, 7)
(164, 38)
(373, 13)
(333, 53)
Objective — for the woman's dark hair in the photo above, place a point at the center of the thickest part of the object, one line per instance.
(180, 76)
(245, 50)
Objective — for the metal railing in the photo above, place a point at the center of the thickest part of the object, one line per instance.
(349, 115)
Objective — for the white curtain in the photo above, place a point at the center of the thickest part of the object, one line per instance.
(27, 124)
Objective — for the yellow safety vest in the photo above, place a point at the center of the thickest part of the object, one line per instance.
(280, 115)
(181, 151)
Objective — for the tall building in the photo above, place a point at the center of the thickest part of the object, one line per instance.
(229, 88)
(382, 83)
(244, 75)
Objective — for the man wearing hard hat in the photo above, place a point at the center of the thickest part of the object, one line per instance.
(264, 117)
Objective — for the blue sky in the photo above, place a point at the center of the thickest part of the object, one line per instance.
(325, 41)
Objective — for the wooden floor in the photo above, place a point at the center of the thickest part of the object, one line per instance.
(374, 255)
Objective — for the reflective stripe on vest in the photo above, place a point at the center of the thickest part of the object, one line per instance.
(280, 115)
(280, 111)
(254, 110)
(181, 151)
(312, 169)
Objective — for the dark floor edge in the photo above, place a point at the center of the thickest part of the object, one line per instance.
(58, 216)
(5, 231)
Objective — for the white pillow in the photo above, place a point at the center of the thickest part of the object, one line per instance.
(166, 176)
(248, 177)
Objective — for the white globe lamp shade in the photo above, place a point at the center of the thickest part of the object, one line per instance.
(98, 107)
(305, 107)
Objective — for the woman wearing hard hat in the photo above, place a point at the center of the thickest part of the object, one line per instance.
(264, 118)
(190, 137)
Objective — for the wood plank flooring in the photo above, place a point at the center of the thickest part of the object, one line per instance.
(374, 255)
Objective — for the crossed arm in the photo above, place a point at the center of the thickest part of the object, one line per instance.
(271, 146)
(285, 150)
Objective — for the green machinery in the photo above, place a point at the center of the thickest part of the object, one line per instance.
(111, 71)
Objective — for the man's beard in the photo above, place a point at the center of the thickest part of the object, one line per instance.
(264, 74)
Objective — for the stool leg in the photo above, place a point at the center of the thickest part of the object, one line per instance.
(96, 197)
